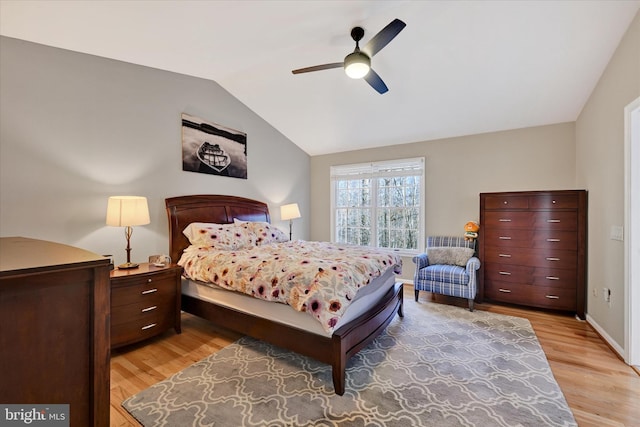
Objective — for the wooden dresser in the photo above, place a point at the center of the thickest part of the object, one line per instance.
(533, 248)
(54, 328)
(145, 302)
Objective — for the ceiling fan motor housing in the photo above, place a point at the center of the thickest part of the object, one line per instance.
(357, 33)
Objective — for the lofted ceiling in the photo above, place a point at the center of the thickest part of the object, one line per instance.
(458, 68)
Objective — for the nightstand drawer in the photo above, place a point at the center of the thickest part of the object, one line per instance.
(136, 311)
(140, 329)
(130, 290)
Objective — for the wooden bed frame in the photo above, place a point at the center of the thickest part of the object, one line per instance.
(335, 350)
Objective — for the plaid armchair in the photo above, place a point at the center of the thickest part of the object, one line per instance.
(447, 279)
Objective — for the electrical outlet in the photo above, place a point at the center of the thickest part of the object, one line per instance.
(595, 292)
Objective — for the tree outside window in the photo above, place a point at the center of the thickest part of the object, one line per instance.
(379, 204)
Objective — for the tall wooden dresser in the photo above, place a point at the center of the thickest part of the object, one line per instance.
(54, 328)
(533, 249)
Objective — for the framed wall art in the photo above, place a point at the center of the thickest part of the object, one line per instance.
(213, 149)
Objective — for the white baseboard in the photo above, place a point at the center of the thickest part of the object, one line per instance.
(605, 336)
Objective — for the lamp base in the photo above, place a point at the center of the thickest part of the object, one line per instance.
(128, 265)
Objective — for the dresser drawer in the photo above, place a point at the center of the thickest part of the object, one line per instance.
(515, 238)
(526, 275)
(554, 278)
(553, 201)
(536, 296)
(507, 220)
(508, 273)
(546, 220)
(130, 290)
(547, 258)
(551, 220)
(506, 202)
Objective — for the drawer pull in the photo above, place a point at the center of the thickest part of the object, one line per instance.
(505, 273)
(149, 280)
(504, 238)
(553, 220)
(506, 291)
(149, 326)
(504, 255)
(552, 259)
(553, 240)
(153, 307)
(552, 296)
(552, 278)
(149, 291)
(504, 220)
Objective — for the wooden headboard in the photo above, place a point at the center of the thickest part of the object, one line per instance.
(219, 209)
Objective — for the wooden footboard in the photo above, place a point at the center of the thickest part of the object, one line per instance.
(360, 332)
(335, 350)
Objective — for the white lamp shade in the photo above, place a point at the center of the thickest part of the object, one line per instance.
(289, 211)
(126, 211)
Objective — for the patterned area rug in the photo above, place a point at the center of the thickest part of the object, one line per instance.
(437, 366)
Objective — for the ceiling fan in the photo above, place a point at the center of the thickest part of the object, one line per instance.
(357, 65)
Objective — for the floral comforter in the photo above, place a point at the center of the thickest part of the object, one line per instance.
(319, 278)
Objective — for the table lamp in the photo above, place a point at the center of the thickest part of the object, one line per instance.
(127, 211)
(289, 212)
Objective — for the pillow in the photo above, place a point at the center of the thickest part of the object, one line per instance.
(264, 232)
(219, 236)
(449, 255)
(193, 230)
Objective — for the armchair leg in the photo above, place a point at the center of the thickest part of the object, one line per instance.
(416, 293)
(470, 304)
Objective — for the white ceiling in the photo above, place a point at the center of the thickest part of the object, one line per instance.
(458, 68)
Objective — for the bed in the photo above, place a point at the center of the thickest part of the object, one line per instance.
(335, 350)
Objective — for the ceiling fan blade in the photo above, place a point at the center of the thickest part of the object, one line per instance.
(383, 37)
(376, 82)
(319, 68)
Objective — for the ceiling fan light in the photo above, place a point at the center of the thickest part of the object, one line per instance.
(357, 65)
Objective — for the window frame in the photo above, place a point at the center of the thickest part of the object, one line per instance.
(373, 171)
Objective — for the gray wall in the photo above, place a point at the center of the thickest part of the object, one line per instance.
(458, 169)
(600, 168)
(76, 129)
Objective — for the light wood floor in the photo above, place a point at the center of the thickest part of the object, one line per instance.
(601, 389)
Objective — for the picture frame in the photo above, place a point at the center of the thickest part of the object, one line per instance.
(213, 149)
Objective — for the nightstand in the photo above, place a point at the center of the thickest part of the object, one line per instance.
(145, 302)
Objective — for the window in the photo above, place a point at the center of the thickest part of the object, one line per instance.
(379, 204)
